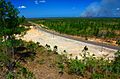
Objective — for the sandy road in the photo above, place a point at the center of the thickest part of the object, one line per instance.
(71, 46)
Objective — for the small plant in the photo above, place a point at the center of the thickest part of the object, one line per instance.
(23, 70)
(76, 66)
(85, 48)
(55, 49)
(61, 67)
(32, 46)
(10, 75)
(30, 75)
(116, 63)
(3, 57)
(91, 64)
(97, 76)
(118, 42)
(48, 48)
(26, 74)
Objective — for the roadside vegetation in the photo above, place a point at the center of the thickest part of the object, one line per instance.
(28, 60)
(41, 62)
(12, 50)
(104, 28)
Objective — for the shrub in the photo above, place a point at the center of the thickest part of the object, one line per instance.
(32, 46)
(25, 73)
(10, 75)
(97, 76)
(76, 66)
(61, 67)
(116, 63)
(118, 42)
(3, 58)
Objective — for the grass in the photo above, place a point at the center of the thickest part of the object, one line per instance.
(46, 63)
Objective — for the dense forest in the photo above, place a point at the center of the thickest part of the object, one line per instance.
(88, 27)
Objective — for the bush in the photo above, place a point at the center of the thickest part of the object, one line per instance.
(116, 63)
(118, 42)
(24, 73)
(10, 75)
(61, 67)
(76, 66)
(3, 57)
(32, 46)
(97, 76)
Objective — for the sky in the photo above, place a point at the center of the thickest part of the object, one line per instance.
(68, 8)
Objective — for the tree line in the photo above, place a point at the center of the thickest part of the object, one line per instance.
(98, 27)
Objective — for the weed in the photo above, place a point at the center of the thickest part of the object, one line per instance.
(97, 76)
(61, 67)
(76, 66)
(10, 75)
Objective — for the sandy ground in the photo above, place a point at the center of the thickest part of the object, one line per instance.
(71, 46)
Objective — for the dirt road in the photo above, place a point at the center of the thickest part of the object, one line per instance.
(71, 46)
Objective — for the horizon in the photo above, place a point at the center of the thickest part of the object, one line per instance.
(65, 8)
(67, 17)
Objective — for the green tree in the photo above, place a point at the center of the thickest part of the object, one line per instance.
(10, 26)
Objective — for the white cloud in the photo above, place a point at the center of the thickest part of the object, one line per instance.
(42, 1)
(39, 1)
(22, 7)
(117, 8)
(36, 2)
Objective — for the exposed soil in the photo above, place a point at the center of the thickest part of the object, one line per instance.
(45, 67)
(71, 46)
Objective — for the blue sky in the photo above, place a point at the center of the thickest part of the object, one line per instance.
(67, 8)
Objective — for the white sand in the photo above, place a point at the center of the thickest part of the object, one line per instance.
(71, 46)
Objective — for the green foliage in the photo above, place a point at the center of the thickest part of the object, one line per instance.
(98, 27)
(27, 74)
(97, 76)
(18, 65)
(9, 19)
(23, 70)
(60, 61)
(10, 75)
(98, 68)
(61, 67)
(20, 73)
(116, 63)
(32, 46)
(9, 27)
(76, 66)
(91, 64)
(3, 57)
